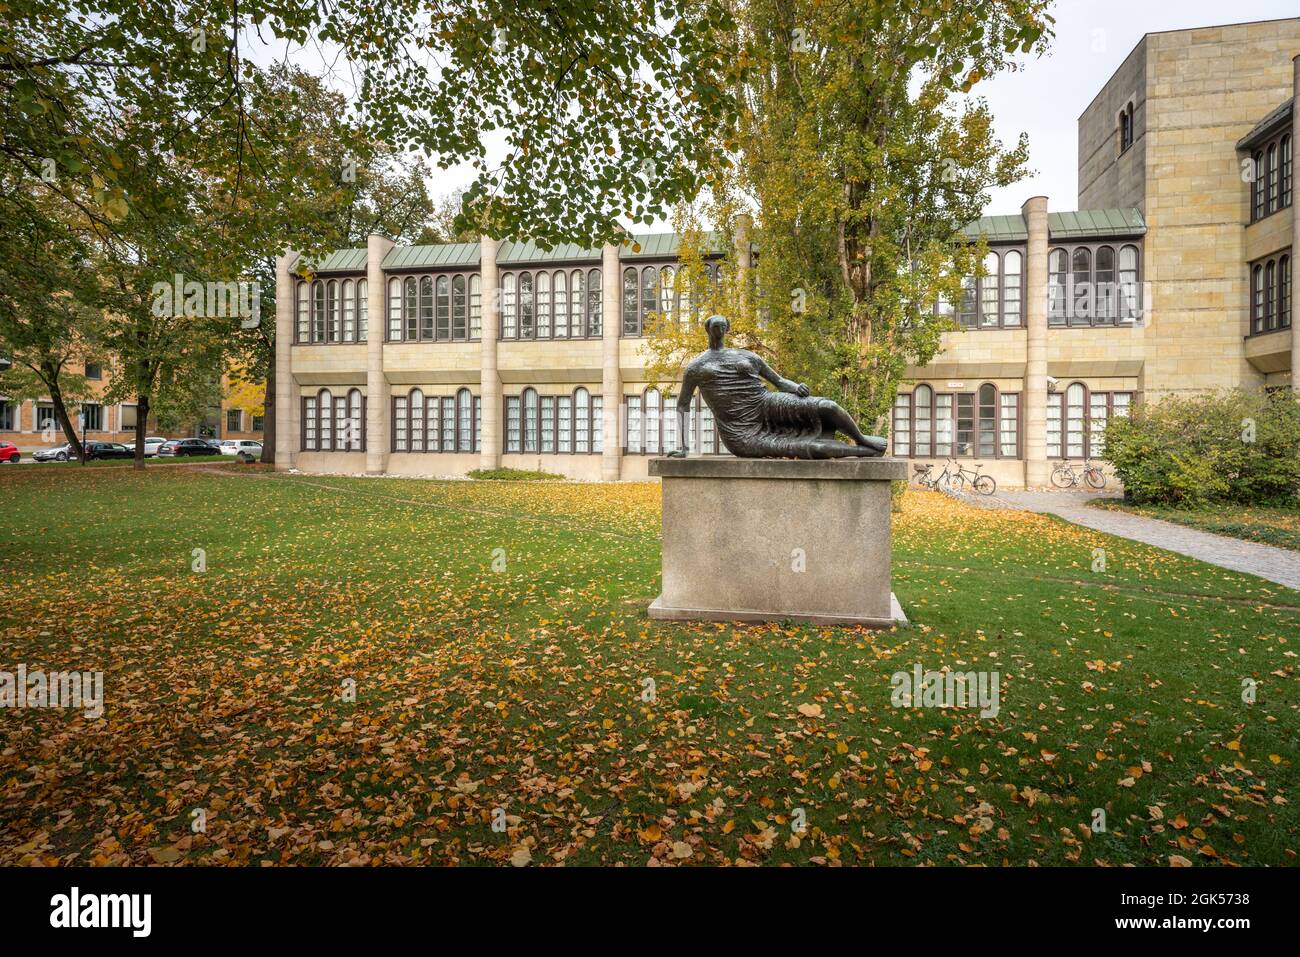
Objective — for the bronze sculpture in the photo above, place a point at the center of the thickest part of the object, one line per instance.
(754, 421)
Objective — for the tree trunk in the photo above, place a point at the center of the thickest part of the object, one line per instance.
(51, 376)
(141, 429)
(268, 419)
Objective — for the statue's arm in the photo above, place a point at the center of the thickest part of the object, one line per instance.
(684, 415)
(782, 384)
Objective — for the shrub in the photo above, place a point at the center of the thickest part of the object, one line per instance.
(1235, 446)
(513, 475)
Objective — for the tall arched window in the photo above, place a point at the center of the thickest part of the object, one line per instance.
(509, 308)
(543, 305)
(1104, 293)
(668, 293)
(426, 308)
(530, 420)
(459, 313)
(595, 305)
(1075, 410)
(581, 421)
(561, 305)
(325, 430)
(1284, 292)
(476, 307)
(1285, 176)
(989, 283)
(1270, 180)
(649, 295)
(1257, 299)
(1057, 277)
(526, 305)
(394, 310)
(349, 292)
(1257, 185)
(464, 421)
(653, 417)
(363, 310)
(357, 421)
(1270, 296)
(631, 303)
(966, 305)
(303, 329)
(411, 311)
(1011, 288)
(318, 311)
(417, 409)
(1081, 283)
(923, 401)
(1130, 306)
(332, 311)
(442, 330)
(986, 422)
(577, 303)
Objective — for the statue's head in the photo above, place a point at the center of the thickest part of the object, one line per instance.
(716, 327)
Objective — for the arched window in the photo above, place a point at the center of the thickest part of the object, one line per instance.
(653, 419)
(922, 403)
(595, 305)
(318, 311)
(526, 305)
(966, 305)
(1270, 296)
(1257, 185)
(325, 430)
(989, 283)
(303, 328)
(1284, 292)
(1285, 177)
(649, 295)
(394, 310)
(581, 421)
(1257, 299)
(1104, 293)
(1075, 413)
(459, 312)
(1130, 305)
(1270, 180)
(349, 293)
(530, 419)
(1057, 277)
(668, 293)
(332, 311)
(543, 305)
(509, 308)
(986, 422)
(357, 421)
(426, 308)
(417, 409)
(561, 305)
(577, 303)
(363, 310)
(464, 421)
(411, 311)
(1011, 288)
(447, 428)
(1081, 282)
(442, 331)
(1126, 127)
(631, 303)
(475, 307)
(342, 433)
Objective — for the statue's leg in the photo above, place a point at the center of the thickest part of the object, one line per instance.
(835, 449)
(837, 420)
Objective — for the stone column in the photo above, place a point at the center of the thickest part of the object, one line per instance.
(287, 403)
(489, 377)
(611, 385)
(377, 403)
(1295, 241)
(1035, 393)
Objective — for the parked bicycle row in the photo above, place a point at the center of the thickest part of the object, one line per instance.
(955, 476)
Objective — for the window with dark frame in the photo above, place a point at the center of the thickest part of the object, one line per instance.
(994, 300)
(1272, 176)
(331, 311)
(1094, 284)
(1270, 294)
(332, 422)
(435, 423)
(551, 304)
(1126, 133)
(985, 423)
(567, 423)
(1077, 418)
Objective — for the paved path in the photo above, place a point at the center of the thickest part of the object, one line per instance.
(1280, 565)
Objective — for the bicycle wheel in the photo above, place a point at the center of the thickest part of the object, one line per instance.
(1062, 477)
(957, 483)
(1095, 478)
(985, 484)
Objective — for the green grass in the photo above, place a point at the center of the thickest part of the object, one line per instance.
(1271, 525)
(498, 641)
(513, 475)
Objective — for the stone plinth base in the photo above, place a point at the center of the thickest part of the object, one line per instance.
(769, 539)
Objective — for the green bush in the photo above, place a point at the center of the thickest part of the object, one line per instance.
(513, 475)
(1237, 446)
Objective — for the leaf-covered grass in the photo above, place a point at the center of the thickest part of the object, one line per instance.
(1272, 525)
(514, 475)
(522, 688)
(128, 463)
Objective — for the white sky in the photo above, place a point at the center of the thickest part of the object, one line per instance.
(1092, 39)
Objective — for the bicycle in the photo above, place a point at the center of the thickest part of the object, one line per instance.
(984, 484)
(1067, 474)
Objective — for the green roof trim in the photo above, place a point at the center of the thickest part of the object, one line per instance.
(1074, 224)
(529, 252)
(441, 256)
(341, 260)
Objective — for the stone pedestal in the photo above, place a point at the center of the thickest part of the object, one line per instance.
(770, 539)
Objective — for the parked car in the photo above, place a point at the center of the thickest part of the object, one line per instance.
(9, 453)
(240, 448)
(107, 450)
(215, 443)
(151, 445)
(57, 453)
(179, 447)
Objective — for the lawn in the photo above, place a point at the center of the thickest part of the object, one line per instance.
(497, 638)
(1272, 525)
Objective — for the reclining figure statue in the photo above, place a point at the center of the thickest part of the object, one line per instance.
(755, 422)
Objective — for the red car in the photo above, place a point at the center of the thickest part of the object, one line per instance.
(9, 453)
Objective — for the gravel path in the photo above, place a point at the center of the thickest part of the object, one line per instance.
(1280, 565)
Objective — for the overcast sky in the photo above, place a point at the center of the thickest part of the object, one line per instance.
(1093, 37)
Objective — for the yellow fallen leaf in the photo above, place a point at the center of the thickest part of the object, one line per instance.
(810, 710)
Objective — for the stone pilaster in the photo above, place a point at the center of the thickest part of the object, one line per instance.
(1035, 393)
(611, 386)
(377, 404)
(287, 406)
(489, 377)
